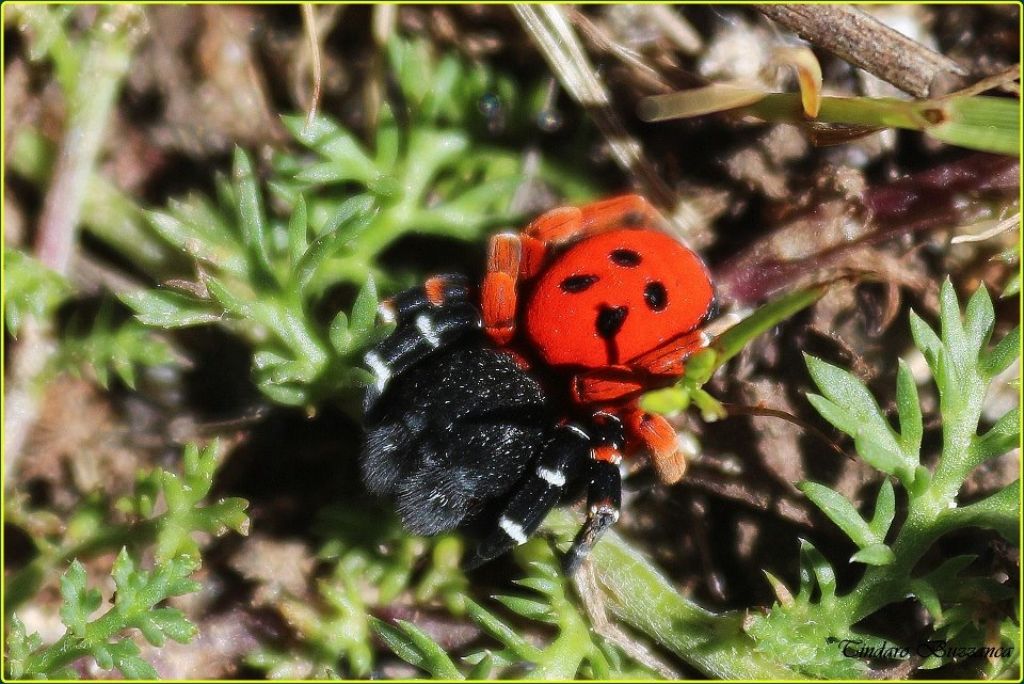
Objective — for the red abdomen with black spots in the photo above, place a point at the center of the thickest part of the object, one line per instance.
(609, 299)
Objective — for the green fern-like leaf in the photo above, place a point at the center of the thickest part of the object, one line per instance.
(962, 362)
(572, 652)
(799, 629)
(262, 279)
(106, 638)
(106, 347)
(30, 289)
(848, 405)
(185, 516)
(416, 648)
(174, 533)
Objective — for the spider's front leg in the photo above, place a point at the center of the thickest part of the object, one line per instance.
(426, 322)
(498, 293)
(653, 434)
(539, 492)
(650, 431)
(669, 359)
(602, 386)
(604, 488)
(622, 385)
(563, 224)
(618, 384)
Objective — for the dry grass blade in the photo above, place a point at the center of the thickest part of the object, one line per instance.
(309, 24)
(808, 72)
(997, 228)
(1004, 80)
(677, 29)
(589, 592)
(549, 28)
(598, 37)
(709, 99)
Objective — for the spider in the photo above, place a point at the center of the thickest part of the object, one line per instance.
(492, 404)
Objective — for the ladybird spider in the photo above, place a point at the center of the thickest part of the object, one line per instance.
(576, 316)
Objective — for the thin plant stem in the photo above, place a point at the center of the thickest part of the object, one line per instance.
(104, 65)
(639, 595)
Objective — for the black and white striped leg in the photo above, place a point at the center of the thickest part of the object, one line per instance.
(541, 491)
(604, 497)
(604, 487)
(437, 291)
(415, 339)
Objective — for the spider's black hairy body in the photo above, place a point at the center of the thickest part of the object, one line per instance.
(454, 433)
(459, 435)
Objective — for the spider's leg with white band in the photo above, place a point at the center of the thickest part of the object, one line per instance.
(437, 291)
(604, 497)
(540, 491)
(429, 330)
(604, 489)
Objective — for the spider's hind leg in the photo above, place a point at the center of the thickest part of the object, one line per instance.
(539, 492)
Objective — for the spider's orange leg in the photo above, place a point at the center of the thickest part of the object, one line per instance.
(616, 384)
(670, 357)
(656, 436)
(611, 385)
(567, 223)
(498, 295)
(533, 254)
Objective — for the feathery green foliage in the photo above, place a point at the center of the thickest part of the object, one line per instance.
(33, 291)
(30, 290)
(572, 652)
(432, 168)
(963, 363)
(373, 561)
(165, 511)
(139, 592)
(259, 278)
(105, 346)
(92, 530)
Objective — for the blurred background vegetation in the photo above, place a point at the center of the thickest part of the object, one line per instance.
(203, 206)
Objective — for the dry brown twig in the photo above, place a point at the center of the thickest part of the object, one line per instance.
(862, 40)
